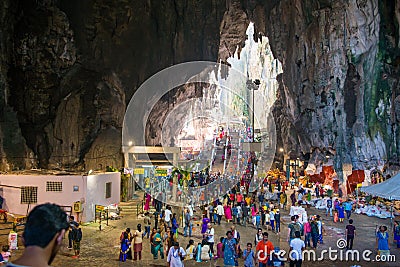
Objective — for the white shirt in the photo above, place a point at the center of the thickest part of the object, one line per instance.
(190, 208)
(210, 237)
(168, 214)
(300, 196)
(319, 227)
(272, 216)
(297, 244)
(239, 211)
(173, 257)
(220, 210)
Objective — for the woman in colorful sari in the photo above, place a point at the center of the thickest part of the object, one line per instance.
(175, 224)
(157, 245)
(125, 246)
(147, 202)
(228, 213)
(230, 250)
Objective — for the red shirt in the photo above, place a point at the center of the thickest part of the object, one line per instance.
(266, 247)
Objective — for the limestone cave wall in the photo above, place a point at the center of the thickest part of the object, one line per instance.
(69, 68)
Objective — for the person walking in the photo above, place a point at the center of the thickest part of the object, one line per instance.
(263, 251)
(245, 216)
(283, 200)
(211, 210)
(176, 254)
(220, 212)
(320, 230)
(130, 237)
(382, 242)
(209, 234)
(307, 234)
(230, 249)
(314, 232)
(296, 249)
(73, 224)
(293, 226)
(125, 246)
(147, 225)
(396, 233)
(272, 219)
(167, 216)
(350, 234)
(258, 237)
(188, 224)
(204, 224)
(293, 197)
(249, 256)
(340, 210)
(348, 206)
(175, 225)
(157, 244)
(277, 221)
(76, 241)
(137, 243)
(329, 204)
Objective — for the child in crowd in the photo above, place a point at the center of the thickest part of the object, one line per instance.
(320, 229)
(249, 256)
(340, 210)
(335, 216)
(5, 253)
(258, 220)
(267, 219)
(220, 252)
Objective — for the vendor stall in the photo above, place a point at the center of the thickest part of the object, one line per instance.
(389, 189)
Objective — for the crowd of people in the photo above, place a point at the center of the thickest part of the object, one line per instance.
(47, 224)
(259, 210)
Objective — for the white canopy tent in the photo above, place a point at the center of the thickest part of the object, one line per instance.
(389, 189)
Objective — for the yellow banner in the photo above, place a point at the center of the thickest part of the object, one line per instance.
(138, 171)
(161, 172)
(99, 208)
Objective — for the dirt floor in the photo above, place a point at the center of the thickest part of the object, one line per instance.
(101, 248)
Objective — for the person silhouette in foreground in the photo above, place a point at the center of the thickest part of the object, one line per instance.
(44, 231)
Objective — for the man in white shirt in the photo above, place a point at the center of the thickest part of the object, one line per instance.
(296, 249)
(220, 212)
(210, 237)
(167, 217)
(176, 255)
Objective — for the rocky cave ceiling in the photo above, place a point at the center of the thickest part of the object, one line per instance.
(69, 68)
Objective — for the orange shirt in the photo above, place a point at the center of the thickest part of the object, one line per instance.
(266, 247)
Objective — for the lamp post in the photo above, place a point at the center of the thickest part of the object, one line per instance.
(253, 85)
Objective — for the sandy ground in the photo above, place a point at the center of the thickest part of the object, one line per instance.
(101, 248)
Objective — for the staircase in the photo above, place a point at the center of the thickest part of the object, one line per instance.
(131, 208)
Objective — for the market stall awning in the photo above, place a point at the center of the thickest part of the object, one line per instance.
(389, 189)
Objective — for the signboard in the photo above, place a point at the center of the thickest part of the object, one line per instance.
(161, 172)
(13, 240)
(99, 208)
(138, 171)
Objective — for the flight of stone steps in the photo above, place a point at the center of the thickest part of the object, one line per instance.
(133, 208)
